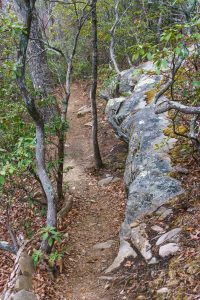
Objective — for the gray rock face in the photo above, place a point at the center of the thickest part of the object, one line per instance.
(148, 165)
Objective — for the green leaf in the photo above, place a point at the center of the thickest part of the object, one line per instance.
(50, 242)
(2, 180)
(196, 83)
(149, 56)
(45, 236)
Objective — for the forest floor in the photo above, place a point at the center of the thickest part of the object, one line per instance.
(96, 217)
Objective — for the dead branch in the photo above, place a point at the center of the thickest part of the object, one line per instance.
(10, 230)
(5, 246)
(171, 80)
(169, 105)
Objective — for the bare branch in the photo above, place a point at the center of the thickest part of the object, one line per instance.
(112, 42)
(66, 3)
(5, 246)
(112, 33)
(170, 82)
(169, 105)
(10, 230)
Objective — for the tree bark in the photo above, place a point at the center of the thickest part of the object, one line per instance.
(35, 115)
(97, 155)
(38, 64)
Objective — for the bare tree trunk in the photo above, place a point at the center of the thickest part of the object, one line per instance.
(112, 42)
(35, 115)
(65, 103)
(97, 155)
(159, 31)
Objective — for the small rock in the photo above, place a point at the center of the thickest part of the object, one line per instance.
(165, 214)
(23, 283)
(168, 249)
(181, 170)
(105, 181)
(134, 224)
(141, 297)
(140, 240)
(108, 175)
(191, 209)
(24, 295)
(83, 111)
(116, 179)
(107, 286)
(26, 264)
(104, 245)
(66, 236)
(125, 251)
(158, 229)
(109, 278)
(163, 290)
(89, 124)
(160, 210)
(173, 283)
(153, 261)
(170, 235)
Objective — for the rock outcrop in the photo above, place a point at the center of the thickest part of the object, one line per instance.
(148, 166)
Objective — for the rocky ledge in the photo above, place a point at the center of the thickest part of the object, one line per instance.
(148, 165)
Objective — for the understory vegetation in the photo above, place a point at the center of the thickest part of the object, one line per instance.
(46, 47)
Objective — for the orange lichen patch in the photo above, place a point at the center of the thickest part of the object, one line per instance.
(150, 95)
(181, 129)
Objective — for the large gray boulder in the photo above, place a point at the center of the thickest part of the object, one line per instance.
(148, 163)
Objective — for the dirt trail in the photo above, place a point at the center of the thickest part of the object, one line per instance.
(97, 211)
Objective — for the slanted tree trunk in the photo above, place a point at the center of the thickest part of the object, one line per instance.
(97, 155)
(35, 115)
(38, 64)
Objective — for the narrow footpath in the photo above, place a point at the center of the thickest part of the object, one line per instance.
(97, 210)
